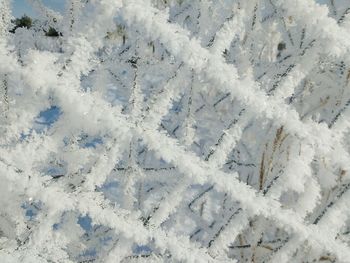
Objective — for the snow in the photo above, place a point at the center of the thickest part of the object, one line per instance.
(176, 131)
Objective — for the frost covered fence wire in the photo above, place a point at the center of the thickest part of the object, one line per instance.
(197, 56)
(98, 144)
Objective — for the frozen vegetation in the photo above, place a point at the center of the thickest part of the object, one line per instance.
(175, 131)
